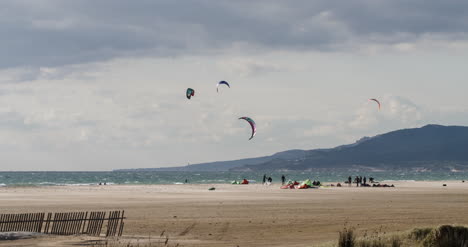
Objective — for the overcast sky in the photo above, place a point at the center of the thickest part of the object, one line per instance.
(100, 85)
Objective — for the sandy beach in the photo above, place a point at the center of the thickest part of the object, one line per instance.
(246, 215)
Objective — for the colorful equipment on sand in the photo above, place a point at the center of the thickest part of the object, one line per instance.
(305, 185)
(245, 181)
(288, 186)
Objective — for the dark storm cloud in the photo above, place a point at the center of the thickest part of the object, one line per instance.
(54, 33)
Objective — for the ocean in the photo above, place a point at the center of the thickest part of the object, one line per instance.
(158, 177)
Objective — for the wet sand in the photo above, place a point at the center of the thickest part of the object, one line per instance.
(246, 215)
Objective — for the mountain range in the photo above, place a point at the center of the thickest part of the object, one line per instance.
(429, 147)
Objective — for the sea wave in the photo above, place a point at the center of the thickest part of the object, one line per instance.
(51, 184)
(396, 180)
(21, 179)
(85, 184)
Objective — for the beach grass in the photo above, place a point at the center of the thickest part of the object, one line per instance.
(420, 233)
(442, 236)
(347, 238)
(447, 236)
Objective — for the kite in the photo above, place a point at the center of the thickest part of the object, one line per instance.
(378, 102)
(222, 82)
(252, 124)
(190, 92)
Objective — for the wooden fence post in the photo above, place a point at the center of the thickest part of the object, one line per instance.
(69, 223)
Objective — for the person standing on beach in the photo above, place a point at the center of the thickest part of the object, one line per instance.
(283, 179)
(360, 180)
(349, 181)
(357, 181)
(365, 180)
(264, 178)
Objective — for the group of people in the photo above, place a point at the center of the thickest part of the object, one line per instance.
(269, 180)
(316, 183)
(360, 181)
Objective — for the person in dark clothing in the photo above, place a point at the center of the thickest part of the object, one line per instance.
(365, 180)
(270, 180)
(360, 180)
(264, 178)
(356, 180)
(283, 179)
(349, 180)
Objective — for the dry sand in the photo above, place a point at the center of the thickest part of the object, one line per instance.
(246, 215)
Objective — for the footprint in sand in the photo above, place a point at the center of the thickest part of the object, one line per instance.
(187, 230)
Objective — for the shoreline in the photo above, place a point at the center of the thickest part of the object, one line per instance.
(196, 183)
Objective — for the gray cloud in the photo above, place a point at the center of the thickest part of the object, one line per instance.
(55, 33)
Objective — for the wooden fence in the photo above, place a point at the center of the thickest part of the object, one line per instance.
(90, 223)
